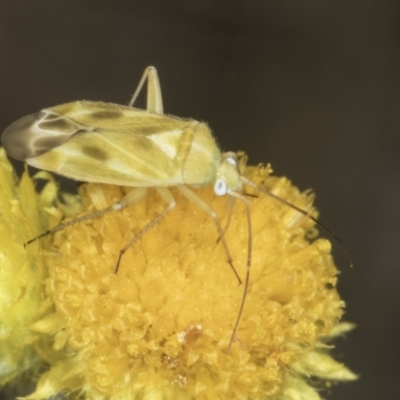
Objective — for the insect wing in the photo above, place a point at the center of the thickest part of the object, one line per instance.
(103, 142)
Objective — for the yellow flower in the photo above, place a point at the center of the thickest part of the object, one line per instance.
(161, 327)
(23, 213)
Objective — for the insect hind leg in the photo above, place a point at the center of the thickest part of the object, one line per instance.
(154, 97)
(133, 197)
(75, 221)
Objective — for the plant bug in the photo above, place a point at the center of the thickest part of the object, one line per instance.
(114, 144)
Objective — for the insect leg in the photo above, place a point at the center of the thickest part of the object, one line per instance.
(154, 97)
(134, 196)
(248, 264)
(189, 194)
(229, 205)
(167, 196)
(70, 223)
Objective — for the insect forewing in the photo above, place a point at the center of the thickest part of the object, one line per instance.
(109, 143)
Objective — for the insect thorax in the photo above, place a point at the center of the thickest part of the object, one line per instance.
(203, 157)
(204, 164)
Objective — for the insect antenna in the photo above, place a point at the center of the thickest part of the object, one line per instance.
(250, 240)
(304, 212)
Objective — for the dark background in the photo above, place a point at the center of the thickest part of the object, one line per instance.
(309, 86)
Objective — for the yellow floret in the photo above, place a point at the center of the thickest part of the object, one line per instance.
(161, 327)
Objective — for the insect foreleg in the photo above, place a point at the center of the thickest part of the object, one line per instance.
(154, 98)
(189, 194)
(248, 264)
(229, 205)
(168, 198)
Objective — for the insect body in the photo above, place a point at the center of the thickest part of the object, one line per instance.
(108, 143)
(115, 144)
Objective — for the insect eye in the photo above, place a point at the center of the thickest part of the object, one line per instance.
(220, 187)
(231, 161)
